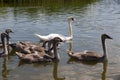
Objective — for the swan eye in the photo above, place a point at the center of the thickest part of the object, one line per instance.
(72, 19)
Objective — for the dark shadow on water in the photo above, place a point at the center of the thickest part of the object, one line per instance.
(22, 63)
(12, 51)
(71, 60)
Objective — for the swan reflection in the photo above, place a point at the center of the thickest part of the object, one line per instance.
(5, 71)
(55, 72)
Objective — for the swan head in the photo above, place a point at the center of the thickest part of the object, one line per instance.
(105, 36)
(71, 19)
(57, 39)
(8, 31)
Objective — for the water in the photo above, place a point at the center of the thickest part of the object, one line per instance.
(93, 18)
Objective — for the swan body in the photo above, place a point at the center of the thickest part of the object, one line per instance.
(30, 52)
(90, 55)
(37, 56)
(27, 47)
(53, 35)
(4, 37)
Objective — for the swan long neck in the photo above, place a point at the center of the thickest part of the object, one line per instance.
(104, 48)
(4, 46)
(70, 29)
(7, 39)
(56, 55)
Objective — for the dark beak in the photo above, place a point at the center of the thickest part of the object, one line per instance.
(12, 32)
(110, 37)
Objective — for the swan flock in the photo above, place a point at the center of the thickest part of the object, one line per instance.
(34, 52)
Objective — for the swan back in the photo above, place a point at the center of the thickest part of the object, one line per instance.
(39, 56)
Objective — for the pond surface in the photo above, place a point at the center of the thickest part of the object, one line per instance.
(93, 18)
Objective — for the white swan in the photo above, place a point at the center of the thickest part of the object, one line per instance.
(63, 38)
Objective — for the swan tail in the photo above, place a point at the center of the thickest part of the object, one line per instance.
(44, 38)
(38, 35)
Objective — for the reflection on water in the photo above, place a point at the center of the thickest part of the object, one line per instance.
(5, 70)
(105, 63)
(93, 17)
(45, 3)
(22, 63)
(55, 72)
(103, 75)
